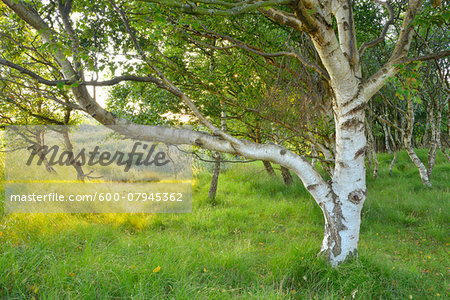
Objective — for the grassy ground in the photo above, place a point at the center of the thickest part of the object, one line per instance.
(259, 240)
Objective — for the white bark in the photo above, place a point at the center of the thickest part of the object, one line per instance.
(342, 224)
(343, 212)
(407, 141)
(386, 138)
(433, 139)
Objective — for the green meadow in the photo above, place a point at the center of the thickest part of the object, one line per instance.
(257, 240)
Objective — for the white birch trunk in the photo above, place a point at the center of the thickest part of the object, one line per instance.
(433, 140)
(342, 211)
(407, 141)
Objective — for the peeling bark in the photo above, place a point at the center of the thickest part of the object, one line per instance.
(342, 223)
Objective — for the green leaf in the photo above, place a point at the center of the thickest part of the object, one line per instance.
(60, 85)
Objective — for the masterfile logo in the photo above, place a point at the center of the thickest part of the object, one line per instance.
(90, 168)
(105, 158)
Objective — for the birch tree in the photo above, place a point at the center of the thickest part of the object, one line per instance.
(330, 27)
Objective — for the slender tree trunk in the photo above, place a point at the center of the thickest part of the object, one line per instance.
(445, 152)
(368, 155)
(394, 148)
(215, 176)
(439, 136)
(407, 138)
(69, 147)
(391, 166)
(217, 157)
(372, 150)
(418, 163)
(433, 141)
(40, 138)
(386, 139)
(428, 133)
(397, 134)
(269, 168)
(287, 176)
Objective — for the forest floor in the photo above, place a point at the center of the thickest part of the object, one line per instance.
(258, 239)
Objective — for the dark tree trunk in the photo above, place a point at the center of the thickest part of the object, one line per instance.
(40, 138)
(269, 168)
(287, 176)
(80, 173)
(215, 177)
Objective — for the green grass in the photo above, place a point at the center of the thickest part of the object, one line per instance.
(257, 240)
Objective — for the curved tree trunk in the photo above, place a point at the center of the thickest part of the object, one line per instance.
(407, 141)
(418, 163)
(444, 152)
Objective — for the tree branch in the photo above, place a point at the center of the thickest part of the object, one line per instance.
(377, 80)
(110, 82)
(283, 18)
(381, 37)
(431, 56)
(231, 9)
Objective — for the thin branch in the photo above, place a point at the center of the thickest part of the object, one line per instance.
(213, 161)
(308, 64)
(283, 17)
(400, 53)
(381, 37)
(169, 86)
(110, 82)
(252, 49)
(431, 56)
(27, 110)
(384, 120)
